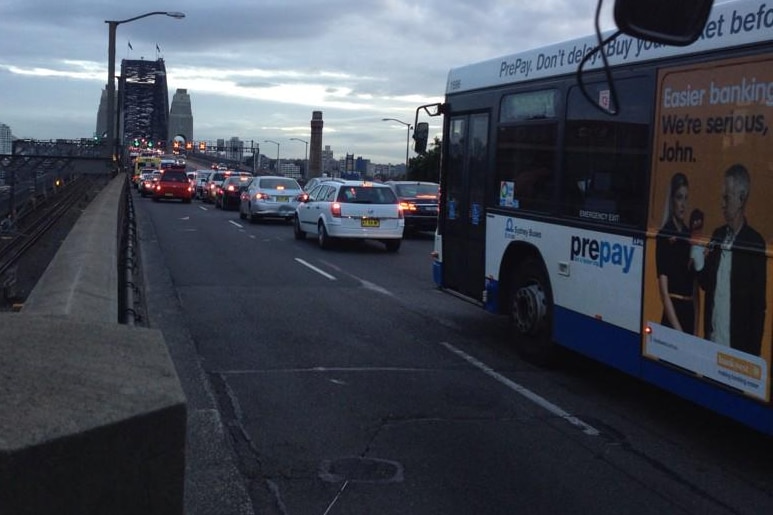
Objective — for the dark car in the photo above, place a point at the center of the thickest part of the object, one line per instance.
(229, 194)
(419, 201)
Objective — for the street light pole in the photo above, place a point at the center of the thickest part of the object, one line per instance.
(277, 154)
(407, 139)
(305, 156)
(112, 108)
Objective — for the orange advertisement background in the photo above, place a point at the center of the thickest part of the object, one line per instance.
(711, 155)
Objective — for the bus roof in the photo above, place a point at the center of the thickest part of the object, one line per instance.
(730, 24)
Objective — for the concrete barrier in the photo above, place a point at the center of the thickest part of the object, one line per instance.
(93, 413)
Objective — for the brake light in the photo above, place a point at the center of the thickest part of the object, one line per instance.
(407, 206)
(335, 209)
(231, 187)
(261, 196)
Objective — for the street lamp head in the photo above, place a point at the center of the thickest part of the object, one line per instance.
(398, 121)
(175, 14)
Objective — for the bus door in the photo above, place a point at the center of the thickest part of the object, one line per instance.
(464, 217)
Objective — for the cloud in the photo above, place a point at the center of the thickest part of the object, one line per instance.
(258, 70)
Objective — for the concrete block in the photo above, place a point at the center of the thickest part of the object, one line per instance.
(93, 419)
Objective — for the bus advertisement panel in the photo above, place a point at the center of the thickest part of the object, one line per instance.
(707, 301)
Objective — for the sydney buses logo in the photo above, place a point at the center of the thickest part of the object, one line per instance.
(603, 253)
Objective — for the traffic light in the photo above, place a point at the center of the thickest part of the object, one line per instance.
(150, 143)
(136, 143)
(176, 145)
(188, 145)
(203, 146)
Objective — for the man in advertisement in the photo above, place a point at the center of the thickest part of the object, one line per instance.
(734, 273)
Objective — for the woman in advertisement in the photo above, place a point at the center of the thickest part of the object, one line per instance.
(677, 281)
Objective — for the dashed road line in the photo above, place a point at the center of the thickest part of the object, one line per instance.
(319, 271)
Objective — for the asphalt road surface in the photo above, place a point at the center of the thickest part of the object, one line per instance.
(346, 383)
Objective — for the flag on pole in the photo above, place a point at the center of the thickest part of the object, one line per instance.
(130, 45)
(157, 49)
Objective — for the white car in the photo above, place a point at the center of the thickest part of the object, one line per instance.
(351, 209)
(270, 196)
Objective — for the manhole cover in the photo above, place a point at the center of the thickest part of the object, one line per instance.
(361, 470)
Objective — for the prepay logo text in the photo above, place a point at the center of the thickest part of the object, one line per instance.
(601, 253)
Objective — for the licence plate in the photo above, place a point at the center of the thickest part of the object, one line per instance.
(370, 222)
(169, 194)
(282, 199)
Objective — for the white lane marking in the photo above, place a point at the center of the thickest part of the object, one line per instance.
(533, 397)
(365, 284)
(312, 267)
(374, 287)
(236, 224)
(203, 208)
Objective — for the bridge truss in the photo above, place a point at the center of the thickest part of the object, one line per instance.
(144, 101)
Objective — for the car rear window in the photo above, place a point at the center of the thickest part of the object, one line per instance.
(279, 184)
(174, 176)
(217, 177)
(366, 195)
(417, 190)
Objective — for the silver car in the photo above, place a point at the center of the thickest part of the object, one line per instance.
(270, 197)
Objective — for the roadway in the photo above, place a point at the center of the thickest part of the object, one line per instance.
(347, 383)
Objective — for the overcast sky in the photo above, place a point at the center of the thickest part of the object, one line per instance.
(256, 69)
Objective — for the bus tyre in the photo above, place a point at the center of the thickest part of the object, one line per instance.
(531, 310)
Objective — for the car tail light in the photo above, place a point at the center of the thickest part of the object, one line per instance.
(407, 206)
(231, 187)
(335, 209)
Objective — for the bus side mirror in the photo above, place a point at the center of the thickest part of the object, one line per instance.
(420, 135)
(669, 22)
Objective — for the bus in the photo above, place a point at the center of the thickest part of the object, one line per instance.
(622, 212)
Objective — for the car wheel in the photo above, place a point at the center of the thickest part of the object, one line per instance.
(392, 245)
(531, 311)
(323, 238)
(299, 234)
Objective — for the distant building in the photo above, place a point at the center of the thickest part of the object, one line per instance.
(327, 160)
(234, 149)
(290, 170)
(181, 116)
(6, 140)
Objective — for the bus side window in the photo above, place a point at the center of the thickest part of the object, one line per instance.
(606, 158)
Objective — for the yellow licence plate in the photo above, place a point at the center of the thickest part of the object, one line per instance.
(370, 222)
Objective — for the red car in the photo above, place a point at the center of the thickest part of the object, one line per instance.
(173, 184)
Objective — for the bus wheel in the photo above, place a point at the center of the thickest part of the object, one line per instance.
(531, 312)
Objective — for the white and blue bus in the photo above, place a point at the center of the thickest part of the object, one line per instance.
(641, 239)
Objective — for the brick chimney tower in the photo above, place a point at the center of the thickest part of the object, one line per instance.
(315, 150)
